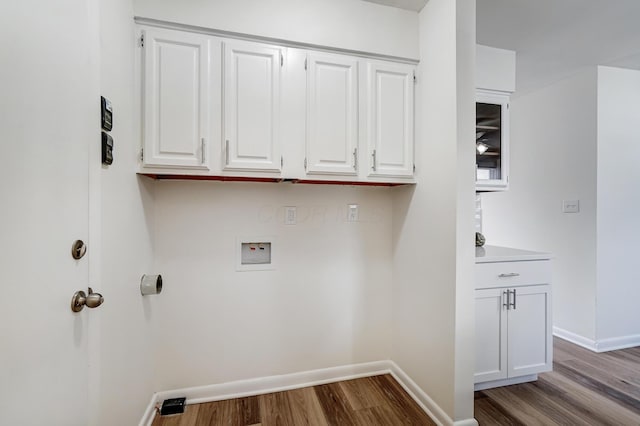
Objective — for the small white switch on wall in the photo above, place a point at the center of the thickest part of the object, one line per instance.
(352, 214)
(570, 206)
(290, 214)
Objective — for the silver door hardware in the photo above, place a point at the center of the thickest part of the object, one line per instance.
(355, 158)
(505, 293)
(373, 156)
(80, 299)
(202, 144)
(78, 249)
(514, 299)
(150, 284)
(226, 151)
(509, 275)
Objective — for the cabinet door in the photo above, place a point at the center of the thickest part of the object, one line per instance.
(390, 119)
(492, 141)
(176, 99)
(491, 335)
(530, 340)
(251, 106)
(332, 114)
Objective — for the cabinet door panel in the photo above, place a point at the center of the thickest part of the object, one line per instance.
(332, 114)
(492, 141)
(530, 344)
(491, 335)
(252, 104)
(390, 119)
(176, 98)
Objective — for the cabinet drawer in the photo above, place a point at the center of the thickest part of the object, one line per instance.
(513, 274)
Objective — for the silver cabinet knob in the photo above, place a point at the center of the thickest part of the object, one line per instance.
(80, 299)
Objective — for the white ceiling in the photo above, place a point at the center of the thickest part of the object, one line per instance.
(415, 5)
(555, 38)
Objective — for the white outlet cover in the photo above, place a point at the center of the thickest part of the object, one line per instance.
(352, 213)
(571, 206)
(290, 215)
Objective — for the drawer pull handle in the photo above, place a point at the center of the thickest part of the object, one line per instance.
(509, 275)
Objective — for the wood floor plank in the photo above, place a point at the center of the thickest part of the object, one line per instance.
(613, 394)
(612, 377)
(376, 416)
(584, 388)
(305, 407)
(400, 402)
(188, 418)
(586, 401)
(519, 408)
(369, 401)
(362, 393)
(334, 405)
(275, 409)
(249, 408)
(488, 412)
(605, 362)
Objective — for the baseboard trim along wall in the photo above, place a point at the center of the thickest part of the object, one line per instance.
(262, 385)
(602, 345)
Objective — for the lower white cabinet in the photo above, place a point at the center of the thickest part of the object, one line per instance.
(513, 322)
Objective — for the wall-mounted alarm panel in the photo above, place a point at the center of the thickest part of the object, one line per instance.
(107, 114)
(107, 149)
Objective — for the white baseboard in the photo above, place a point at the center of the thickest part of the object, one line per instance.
(616, 343)
(505, 382)
(575, 338)
(262, 385)
(602, 345)
(425, 402)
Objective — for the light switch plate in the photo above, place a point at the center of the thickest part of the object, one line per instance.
(290, 215)
(571, 206)
(352, 213)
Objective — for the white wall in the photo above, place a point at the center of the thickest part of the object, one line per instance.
(347, 24)
(618, 229)
(433, 221)
(123, 212)
(326, 303)
(553, 157)
(495, 69)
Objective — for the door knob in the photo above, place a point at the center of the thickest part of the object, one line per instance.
(80, 299)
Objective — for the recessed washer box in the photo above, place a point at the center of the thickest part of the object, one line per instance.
(255, 253)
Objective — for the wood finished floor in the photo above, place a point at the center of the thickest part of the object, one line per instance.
(369, 401)
(584, 388)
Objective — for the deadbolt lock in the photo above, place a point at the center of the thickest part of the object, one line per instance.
(78, 249)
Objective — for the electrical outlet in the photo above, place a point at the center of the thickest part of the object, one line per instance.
(290, 215)
(352, 213)
(571, 206)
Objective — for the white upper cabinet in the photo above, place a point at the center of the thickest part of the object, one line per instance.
(492, 141)
(332, 114)
(251, 106)
(226, 108)
(390, 112)
(176, 101)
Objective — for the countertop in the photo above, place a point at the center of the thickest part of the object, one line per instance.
(488, 254)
